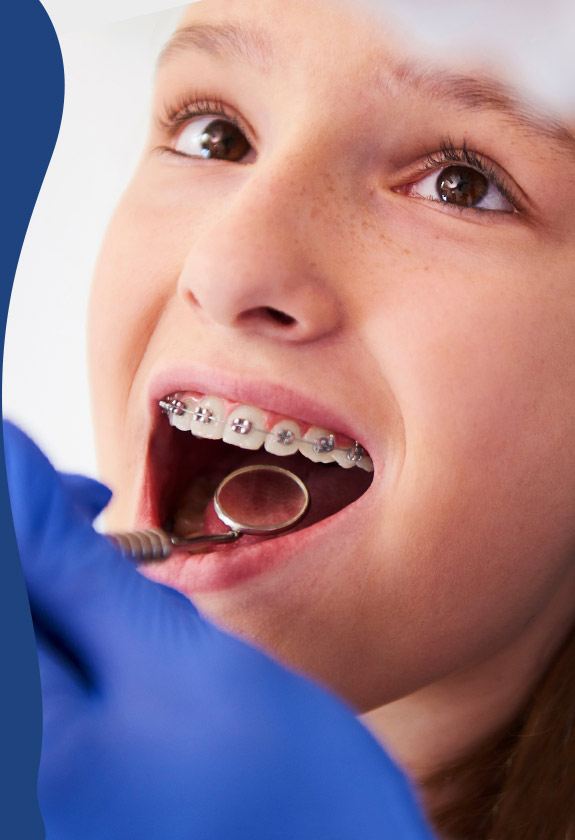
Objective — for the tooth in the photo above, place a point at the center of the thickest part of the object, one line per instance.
(342, 459)
(283, 438)
(365, 463)
(354, 456)
(244, 427)
(207, 418)
(181, 421)
(319, 445)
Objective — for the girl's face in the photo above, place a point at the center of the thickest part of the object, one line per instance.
(375, 248)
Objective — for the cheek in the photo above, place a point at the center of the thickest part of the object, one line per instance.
(137, 272)
(478, 353)
(128, 294)
(481, 369)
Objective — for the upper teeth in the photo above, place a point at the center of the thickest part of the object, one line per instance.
(244, 427)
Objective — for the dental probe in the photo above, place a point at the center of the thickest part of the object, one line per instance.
(154, 544)
(259, 500)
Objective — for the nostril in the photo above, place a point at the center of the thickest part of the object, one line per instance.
(279, 317)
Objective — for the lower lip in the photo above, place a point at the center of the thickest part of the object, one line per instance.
(232, 565)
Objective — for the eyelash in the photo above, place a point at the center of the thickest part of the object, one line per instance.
(448, 154)
(187, 108)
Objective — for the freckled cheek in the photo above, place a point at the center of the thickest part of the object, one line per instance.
(137, 272)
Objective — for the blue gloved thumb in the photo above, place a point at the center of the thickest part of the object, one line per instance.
(89, 495)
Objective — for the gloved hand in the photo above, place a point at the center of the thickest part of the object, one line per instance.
(158, 726)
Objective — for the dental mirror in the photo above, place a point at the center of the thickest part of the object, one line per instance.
(259, 500)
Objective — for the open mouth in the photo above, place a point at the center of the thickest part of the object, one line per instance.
(199, 439)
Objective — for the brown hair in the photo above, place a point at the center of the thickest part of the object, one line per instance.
(521, 781)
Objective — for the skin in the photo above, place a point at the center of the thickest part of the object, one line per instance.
(451, 333)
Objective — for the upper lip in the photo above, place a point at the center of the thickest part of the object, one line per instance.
(266, 395)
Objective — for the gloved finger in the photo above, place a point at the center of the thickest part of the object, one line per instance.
(90, 496)
(90, 597)
(64, 686)
(70, 714)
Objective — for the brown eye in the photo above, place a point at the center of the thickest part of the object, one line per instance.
(461, 185)
(223, 140)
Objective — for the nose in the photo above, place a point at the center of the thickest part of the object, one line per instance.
(251, 264)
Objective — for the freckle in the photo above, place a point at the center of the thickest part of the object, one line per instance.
(406, 251)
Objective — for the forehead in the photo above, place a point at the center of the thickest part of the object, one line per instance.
(322, 10)
(298, 29)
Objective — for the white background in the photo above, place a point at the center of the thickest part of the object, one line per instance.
(109, 73)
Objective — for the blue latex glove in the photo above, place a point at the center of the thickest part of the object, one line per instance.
(158, 726)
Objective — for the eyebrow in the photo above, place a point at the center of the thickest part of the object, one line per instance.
(477, 94)
(251, 44)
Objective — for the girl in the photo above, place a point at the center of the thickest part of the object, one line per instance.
(343, 258)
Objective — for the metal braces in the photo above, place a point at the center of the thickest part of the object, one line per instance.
(355, 453)
(242, 426)
(170, 405)
(324, 444)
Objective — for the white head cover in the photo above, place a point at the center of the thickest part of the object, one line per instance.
(530, 41)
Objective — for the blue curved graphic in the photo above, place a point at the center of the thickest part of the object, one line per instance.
(32, 101)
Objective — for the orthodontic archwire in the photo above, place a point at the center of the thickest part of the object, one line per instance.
(242, 426)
